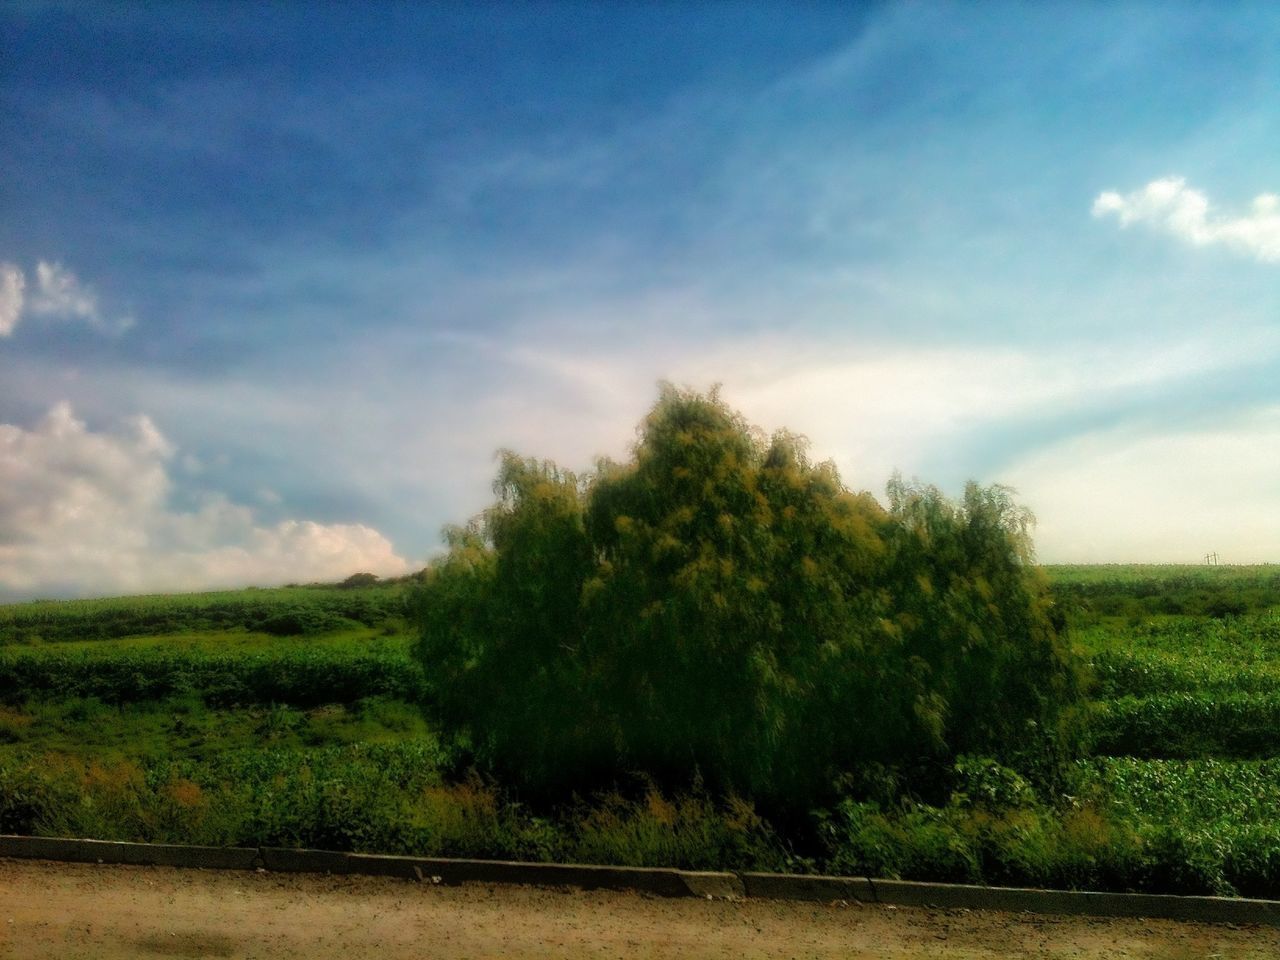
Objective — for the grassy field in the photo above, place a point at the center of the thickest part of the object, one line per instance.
(291, 716)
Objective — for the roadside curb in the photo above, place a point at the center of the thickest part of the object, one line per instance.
(656, 881)
(909, 893)
(137, 854)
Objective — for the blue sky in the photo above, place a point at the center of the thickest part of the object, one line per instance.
(275, 284)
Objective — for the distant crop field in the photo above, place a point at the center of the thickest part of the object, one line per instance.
(293, 717)
(1147, 590)
(288, 611)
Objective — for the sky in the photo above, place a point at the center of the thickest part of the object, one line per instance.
(277, 283)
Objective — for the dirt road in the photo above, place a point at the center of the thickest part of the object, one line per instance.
(105, 912)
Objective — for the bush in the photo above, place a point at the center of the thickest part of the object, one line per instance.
(721, 606)
(1020, 845)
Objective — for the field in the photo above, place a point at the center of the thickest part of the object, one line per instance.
(291, 717)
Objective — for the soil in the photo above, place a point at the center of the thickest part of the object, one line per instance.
(112, 912)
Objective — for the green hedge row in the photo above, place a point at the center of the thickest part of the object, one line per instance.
(307, 677)
(283, 612)
(1187, 725)
(1148, 673)
(1143, 591)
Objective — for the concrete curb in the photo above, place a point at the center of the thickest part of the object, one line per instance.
(654, 881)
(792, 886)
(138, 854)
(657, 881)
(909, 893)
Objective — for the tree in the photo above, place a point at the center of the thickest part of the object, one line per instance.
(720, 606)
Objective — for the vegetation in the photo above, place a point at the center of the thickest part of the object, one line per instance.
(291, 611)
(720, 593)
(1092, 594)
(303, 677)
(721, 607)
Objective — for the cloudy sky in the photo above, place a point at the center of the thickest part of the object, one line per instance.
(276, 284)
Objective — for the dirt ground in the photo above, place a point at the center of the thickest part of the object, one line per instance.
(109, 912)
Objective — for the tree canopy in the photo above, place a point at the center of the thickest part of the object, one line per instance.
(720, 606)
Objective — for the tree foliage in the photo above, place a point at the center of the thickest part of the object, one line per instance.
(722, 607)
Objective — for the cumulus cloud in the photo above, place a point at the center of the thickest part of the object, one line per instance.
(85, 512)
(58, 294)
(1176, 208)
(12, 287)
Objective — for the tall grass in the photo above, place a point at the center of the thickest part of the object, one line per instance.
(386, 798)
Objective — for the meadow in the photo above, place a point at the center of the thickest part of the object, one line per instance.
(293, 717)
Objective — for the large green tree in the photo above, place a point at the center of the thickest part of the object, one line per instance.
(720, 606)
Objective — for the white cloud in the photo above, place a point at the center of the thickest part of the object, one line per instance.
(12, 285)
(872, 409)
(1186, 213)
(85, 512)
(57, 293)
(1164, 497)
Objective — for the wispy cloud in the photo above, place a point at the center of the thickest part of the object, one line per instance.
(1169, 204)
(12, 286)
(873, 408)
(57, 294)
(89, 512)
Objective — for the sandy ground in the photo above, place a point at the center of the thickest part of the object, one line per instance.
(108, 912)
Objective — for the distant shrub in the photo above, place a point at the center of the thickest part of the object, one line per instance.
(1223, 607)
